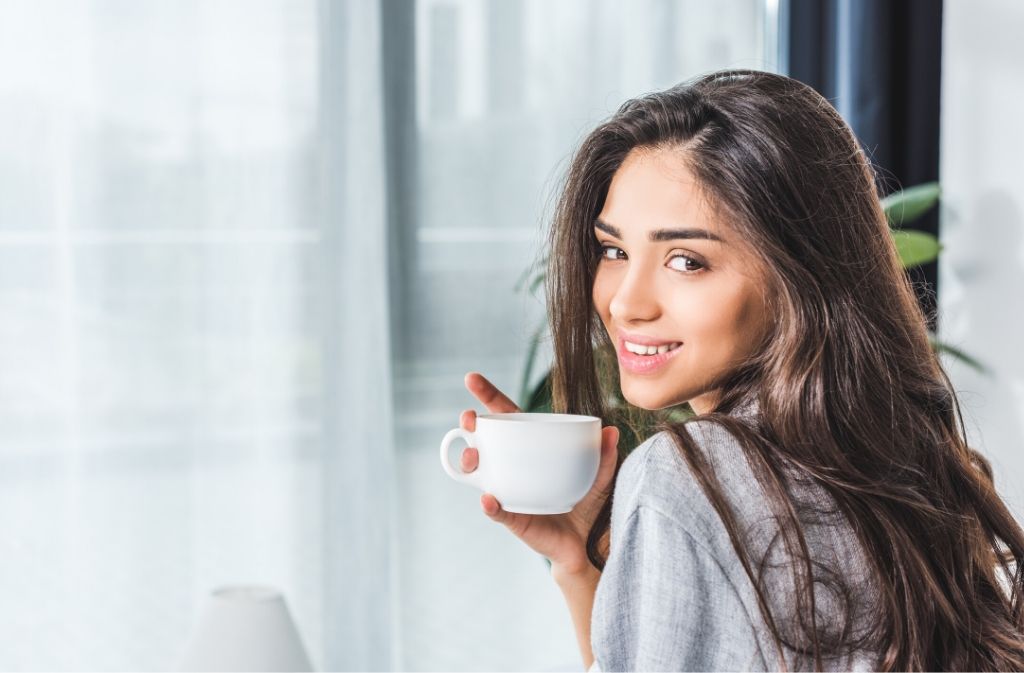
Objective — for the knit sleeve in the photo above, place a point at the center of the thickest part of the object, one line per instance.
(664, 604)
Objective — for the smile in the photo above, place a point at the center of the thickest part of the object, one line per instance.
(640, 349)
(652, 359)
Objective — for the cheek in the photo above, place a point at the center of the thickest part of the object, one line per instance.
(703, 315)
(718, 321)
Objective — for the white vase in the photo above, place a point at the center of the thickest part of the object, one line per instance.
(245, 628)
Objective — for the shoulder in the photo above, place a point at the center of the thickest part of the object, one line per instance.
(650, 610)
(660, 450)
(660, 511)
(657, 476)
(670, 559)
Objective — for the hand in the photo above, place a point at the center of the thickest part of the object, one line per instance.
(560, 537)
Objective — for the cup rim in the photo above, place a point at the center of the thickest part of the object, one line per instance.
(517, 417)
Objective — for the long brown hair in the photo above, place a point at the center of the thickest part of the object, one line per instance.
(850, 394)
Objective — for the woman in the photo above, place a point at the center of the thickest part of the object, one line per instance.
(821, 509)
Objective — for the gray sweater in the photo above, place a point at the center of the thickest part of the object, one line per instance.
(674, 595)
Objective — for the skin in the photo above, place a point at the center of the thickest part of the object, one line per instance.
(560, 537)
(709, 298)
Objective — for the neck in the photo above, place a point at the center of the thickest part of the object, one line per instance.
(704, 403)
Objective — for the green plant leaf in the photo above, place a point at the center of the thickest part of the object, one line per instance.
(539, 400)
(915, 247)
(525, 275)
(522, 279)
(537, 282)
(909, 204)
(531, 355)
(941, 347)
(680, 413)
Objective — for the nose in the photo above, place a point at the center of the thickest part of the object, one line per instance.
(635, 298)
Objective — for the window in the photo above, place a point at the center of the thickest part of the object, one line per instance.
(171, 306)
(503, 93)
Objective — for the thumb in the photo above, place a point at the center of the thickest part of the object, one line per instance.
(609, 457)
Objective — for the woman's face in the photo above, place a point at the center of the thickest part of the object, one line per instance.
(696, 285)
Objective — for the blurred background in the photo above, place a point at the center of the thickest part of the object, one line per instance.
(250, 248)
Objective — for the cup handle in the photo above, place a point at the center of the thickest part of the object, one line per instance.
(472, 478)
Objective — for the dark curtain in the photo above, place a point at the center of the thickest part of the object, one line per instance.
(878, 62)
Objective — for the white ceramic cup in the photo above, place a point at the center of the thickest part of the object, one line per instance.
(533, 463)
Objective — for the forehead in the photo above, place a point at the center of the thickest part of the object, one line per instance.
(653, 188)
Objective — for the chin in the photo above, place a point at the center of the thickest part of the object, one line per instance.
(650, 403)
(634, 393)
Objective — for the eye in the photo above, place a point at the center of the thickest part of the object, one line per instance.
(690, 265)
(605, 249)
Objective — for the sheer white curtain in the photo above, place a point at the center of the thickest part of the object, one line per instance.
(503, 93)
(248, 250)
(358, 580)
(194, 378)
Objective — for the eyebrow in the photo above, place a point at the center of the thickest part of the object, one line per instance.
(661, 234)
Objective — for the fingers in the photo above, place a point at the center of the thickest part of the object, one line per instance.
(470, 459)
(470, 456)
(468, 420)
(517, 523)
(604, 481)
(491, 506)
(609, 457)
(485, 391)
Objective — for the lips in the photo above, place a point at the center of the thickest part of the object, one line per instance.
(644, 364)
(644, 340)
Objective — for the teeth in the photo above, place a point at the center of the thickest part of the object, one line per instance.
(650, 350)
